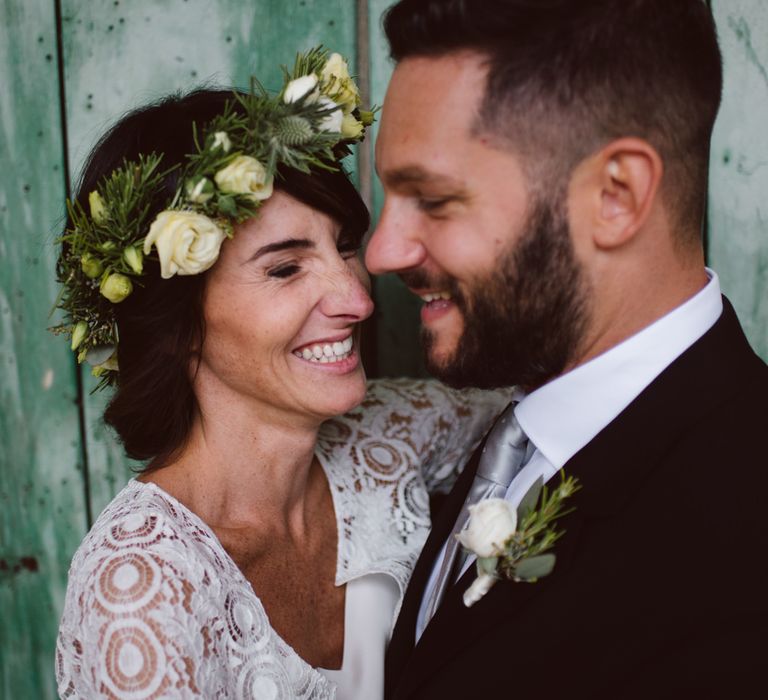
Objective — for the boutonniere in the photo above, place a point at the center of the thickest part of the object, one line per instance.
(514, 544)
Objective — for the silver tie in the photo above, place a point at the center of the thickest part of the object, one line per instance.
(503, 456)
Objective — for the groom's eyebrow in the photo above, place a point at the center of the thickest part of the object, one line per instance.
(416, 175)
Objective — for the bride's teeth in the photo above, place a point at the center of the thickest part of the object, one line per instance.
(445, 295)
(330, 352)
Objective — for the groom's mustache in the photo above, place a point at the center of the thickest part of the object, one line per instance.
(421, 279)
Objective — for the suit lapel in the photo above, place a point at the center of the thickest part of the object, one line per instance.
(404, 634)
(610, 468)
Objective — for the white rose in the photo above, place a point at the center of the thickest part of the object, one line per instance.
(491, 523)
(187, 243)
(337, 83)
(335, 67)
(331, 122)
(299, 87)
(245, 175)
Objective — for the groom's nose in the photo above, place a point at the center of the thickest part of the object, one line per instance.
(394, 246)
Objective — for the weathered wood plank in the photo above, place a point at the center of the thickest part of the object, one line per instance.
(397, 310)
(42, 513)
(738, 209)
(122, 54)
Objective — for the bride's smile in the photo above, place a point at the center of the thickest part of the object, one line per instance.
(282, 312)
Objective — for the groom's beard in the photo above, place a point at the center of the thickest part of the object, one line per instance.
(525, 321)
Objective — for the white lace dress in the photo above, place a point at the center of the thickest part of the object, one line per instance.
(155, 608)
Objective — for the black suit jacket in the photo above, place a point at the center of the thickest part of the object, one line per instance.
(660, 587)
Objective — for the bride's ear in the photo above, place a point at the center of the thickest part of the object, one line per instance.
(617, 188)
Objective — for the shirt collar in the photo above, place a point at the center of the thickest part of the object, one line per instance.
(564, 415)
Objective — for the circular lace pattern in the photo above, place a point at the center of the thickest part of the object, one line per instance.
(385, 461)
(127, 581)
(133, 661)
(135, 528)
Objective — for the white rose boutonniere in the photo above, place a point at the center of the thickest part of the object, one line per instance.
(187, 243)
(245, 175)
(512, 543)
(492, 522)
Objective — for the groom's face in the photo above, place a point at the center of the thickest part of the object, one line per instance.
(493, 263)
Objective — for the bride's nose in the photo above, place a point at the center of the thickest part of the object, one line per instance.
(347, 294)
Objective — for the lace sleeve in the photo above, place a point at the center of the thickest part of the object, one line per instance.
(443, 425)
(135, 619)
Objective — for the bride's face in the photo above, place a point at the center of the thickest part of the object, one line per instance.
(282, 309)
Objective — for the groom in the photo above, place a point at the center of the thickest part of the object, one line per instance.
(545, 172)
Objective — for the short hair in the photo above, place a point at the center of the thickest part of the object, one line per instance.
(160, 324)
(568, 76)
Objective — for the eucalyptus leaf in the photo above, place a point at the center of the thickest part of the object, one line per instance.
(535, 567)
(529, 501)
(99, 354)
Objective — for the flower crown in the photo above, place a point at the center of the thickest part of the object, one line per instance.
(309, 123)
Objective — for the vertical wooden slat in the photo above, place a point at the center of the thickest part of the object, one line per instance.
(41, 491)
(119, 55)
(397, 310)
(738, 208)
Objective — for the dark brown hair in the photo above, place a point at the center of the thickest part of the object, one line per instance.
(568, 76)
(161, 323)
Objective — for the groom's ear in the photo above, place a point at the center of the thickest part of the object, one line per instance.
(615, 191)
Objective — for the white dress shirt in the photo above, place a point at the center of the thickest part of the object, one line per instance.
(563, 416)
(369, 608)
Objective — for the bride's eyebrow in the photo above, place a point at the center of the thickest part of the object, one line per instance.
(287, 244)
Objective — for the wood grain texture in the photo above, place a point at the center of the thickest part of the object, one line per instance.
(42, 504)
(397, 310)
(738, 207)
(119, 55)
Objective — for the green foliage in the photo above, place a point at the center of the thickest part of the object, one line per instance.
(525, 557)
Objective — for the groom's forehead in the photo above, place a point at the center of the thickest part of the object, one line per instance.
(430, 92)
(428, 119)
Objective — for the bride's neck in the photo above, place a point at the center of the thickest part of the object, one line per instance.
(245, 463)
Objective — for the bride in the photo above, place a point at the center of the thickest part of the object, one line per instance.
(264, 550)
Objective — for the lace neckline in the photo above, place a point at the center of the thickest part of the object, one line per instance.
(235, 569)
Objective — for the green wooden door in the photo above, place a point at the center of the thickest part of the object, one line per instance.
(42, 496)
(70, 68)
